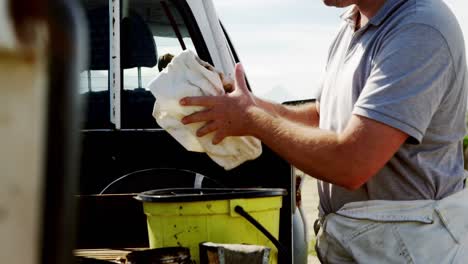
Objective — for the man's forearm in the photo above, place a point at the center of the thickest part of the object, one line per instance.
(317, 152)
(348, 158)
(306, 114)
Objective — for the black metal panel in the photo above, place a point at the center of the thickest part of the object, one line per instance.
(111, 221)
(66, 53)
(110, 154)
(107, 155)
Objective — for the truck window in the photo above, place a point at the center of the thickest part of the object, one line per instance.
(95, 78)
(151, 33)
(94, 81)
(165, 40)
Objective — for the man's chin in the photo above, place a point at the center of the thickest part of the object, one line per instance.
(336, 3)
(329, 2)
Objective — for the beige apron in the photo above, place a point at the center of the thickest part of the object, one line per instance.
(422, 231)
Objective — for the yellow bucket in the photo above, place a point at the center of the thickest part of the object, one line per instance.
(187, 217)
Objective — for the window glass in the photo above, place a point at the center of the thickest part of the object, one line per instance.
(149, 33)
(164, 45)
(152, 32)
(284, 53)
(95, 78)
(94, 81)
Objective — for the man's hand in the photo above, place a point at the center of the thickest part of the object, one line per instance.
(226, 115)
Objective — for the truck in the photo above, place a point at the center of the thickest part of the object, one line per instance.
(78, 138)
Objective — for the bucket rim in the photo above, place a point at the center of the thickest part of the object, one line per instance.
(207, 194)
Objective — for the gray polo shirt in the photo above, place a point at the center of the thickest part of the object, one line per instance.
(406, 68)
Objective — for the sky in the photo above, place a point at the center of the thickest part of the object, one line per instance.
(283, 44)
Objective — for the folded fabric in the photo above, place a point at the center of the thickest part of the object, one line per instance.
(188, 76)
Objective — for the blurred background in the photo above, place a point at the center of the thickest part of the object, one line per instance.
(284, 44)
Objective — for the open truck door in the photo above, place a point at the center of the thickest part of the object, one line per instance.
(119, 139)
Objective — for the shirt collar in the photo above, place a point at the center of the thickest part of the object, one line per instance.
(385, 11)
(349, 16)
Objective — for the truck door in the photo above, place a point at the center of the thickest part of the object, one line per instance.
(119, 135)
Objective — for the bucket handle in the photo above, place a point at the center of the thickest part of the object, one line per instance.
(198, 183)
(281, 249)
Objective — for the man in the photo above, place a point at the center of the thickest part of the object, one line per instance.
(384, 137)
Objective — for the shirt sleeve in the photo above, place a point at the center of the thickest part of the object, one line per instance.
(409, 76)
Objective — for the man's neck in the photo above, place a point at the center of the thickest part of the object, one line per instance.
(368, 9)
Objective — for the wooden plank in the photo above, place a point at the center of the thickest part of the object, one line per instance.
(103, 254)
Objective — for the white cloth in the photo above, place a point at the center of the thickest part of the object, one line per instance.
(421, 231)
(185, 77)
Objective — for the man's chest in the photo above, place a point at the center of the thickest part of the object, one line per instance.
(348, 68)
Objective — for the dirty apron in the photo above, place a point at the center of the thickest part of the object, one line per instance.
(421, 231)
